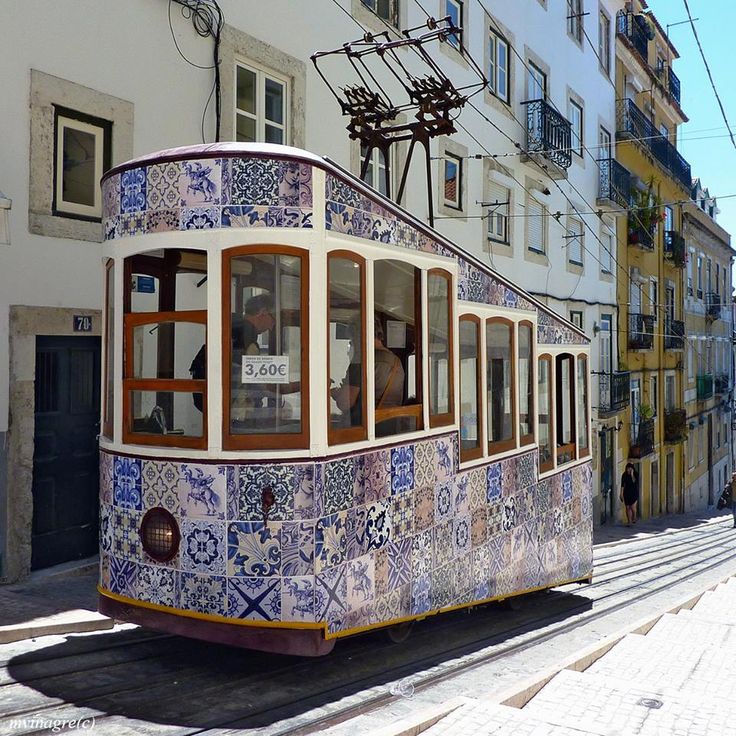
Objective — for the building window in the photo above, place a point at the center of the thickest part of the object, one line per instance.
(575, 115)
(577, 319)
(499, 199)
(378, 170)
(526, 383)
(108, 411)
(690, 273)
(653, 394)
(346, 356)
(565, 404)
(669, 392)
(582, 412)
(81, 155)
(700, 277)
(575, 19)
(439, 348)
(536, 226)
(265, 360)
(607, 247)
(388, 10)
(536, 83)
(604, 41)
(165, 354)
(575, 242)
(500, 384)
(453, 175)
(498, 66)
(470, 388)
(260, 105)
(454, 10)
(545, 416)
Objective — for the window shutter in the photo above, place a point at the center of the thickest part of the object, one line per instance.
(535, 224)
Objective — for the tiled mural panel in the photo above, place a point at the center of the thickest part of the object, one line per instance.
(352, 541)
(206, 194)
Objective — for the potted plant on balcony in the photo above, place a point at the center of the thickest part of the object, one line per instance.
(645, 212)
(644, 413)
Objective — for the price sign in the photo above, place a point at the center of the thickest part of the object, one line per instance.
(265, 369)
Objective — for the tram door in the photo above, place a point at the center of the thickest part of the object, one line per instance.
(65, 458)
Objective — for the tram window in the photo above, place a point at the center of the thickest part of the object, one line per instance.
(500, 385)
(265, 340)
(397, 347)
(470, 424)
(582, 395)
(346, 398)
(441, 383)
(544, 397)
(108, 417)
(565, 401)
(164, 385)
(526, 384)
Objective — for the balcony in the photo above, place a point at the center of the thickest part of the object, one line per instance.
(673, 85)
(674, 334)
(704, 386)
(549, 137)
(675, 425)
(638, 235)
(674, 248)
(642, 443)
(614, 391)
(631, 122)
(634, 28)
(641, 331)
(614, 182)
(722, 384)
(714, 306)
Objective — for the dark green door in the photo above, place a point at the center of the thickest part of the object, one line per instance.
(65, 458)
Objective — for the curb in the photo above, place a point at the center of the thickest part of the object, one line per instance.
(520, 694)
(68, 622)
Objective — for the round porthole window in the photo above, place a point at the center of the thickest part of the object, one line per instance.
(160, 534)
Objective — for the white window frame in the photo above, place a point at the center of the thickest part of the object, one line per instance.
(455, 40)
(378, 168)
(262, 74)
(575, 20)
(542, 249)
(604, 41)
(495, 71)
(607, 248)
(575, 241)
(576, 317)
(66, 121)
(576, 126)
(457, 203)
(499, 215)
(393, 6)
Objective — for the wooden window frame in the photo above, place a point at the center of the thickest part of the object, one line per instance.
(545, 467)
(108, 419)
(407, 410)
(475, 453)
(178, 385)
(448, 417)
(350, 434)
(298, 440)
(571, 447)
(494, 448)
(584, 451)
(528, 439)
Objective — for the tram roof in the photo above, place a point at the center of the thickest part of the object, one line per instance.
(273, 150)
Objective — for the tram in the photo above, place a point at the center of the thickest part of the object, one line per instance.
(320, 416)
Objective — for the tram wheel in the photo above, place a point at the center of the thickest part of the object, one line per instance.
(399, 633)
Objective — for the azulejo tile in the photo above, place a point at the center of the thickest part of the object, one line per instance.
(126, 541)
(443, 501)
(199, 218)
(162, 221)
(378, 525)
(499, 553)
(402, 469)
(255, 181)
(162, 186)
(377, 476)
(495, 519)
(402, 515)
(360, 581)
(160, 485)
(253, 549)
(255, 480)
(446, 454)
(202, 593)
(566, 486)
(330, 545)
(355, 532)
(509, 514)
(461, 534)
(479, 526)
(399, 567)
(123, 577)
(127, 483)
(480, 572)
(297, 548)
(425, 464)
(203, 490)
(111, 197)
(133, 190)
(111, 227)
(338, 485)
(359, 617)
(106, 478)
(443, 586)
(395, 604)
(105, 570)
(421, 594)
(444, 543)
(203, 546)
(493, 482)
(133, 223)
(233, 492)
(254, 599)
(422, 553)
(424, 508)
(461, 494)
(297, 598)
(331, 593)
(106, 536)
(199, 182)
(509, 480)
(158, 585)
(304, 491)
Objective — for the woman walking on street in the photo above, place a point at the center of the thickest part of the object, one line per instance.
(630, 492)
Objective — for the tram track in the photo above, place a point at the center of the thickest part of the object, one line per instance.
(370, 691)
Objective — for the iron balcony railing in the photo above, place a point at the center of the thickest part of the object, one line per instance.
(634, 29)
(631, 122)
(641, 331)
(638, 235)
(642, 443)
(674, 334)
(674, 247)
(548, 133)
(614, 391)
(675, 425)
(722, 384)
(614, 182)
(673, 84)
(714, 305)
(704, 387)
